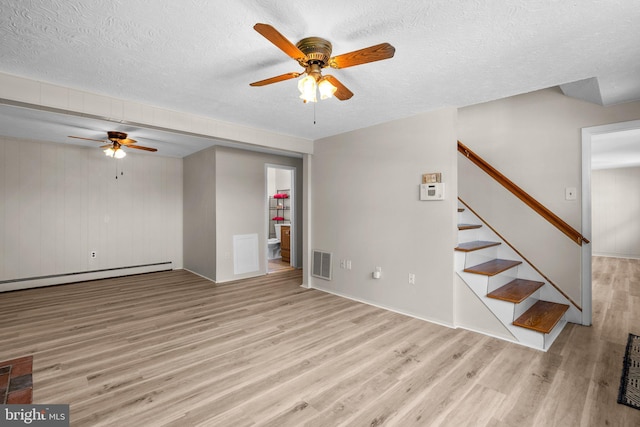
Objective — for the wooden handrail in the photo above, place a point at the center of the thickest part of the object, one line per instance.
(538, 207)
(549, 281)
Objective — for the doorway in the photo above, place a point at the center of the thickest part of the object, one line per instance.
(280, 218)
(590, 137)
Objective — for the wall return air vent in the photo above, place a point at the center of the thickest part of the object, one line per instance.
(321, 266)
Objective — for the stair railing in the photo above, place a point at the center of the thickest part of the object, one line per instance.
(525, 197)
(547, 279)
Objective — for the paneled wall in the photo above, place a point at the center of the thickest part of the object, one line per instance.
(59, 202)
(615, 204)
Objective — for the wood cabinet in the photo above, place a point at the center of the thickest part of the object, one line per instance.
(285, 242)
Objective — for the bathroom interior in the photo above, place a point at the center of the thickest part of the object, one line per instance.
(280, 195)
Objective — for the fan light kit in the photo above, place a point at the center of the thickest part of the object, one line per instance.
(115, 151)
(116, 141)
(314, 54)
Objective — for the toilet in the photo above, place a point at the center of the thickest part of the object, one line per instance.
(274, 244)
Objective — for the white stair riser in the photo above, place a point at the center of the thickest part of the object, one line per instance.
(502, 279)
(480, 256)
(481, 285)
(504, 311)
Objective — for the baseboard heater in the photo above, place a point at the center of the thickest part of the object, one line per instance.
(81, 276)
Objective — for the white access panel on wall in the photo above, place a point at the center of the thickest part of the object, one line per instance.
(245, 253)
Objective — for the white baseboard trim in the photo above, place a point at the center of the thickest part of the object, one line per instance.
(395, 310)
(608, 255)
(200, 275)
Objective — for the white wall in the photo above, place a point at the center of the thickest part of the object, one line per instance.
(278, 179)
(58, 202)
(472, 314)
(241, 205)
(615, 202)
(283, 179)
(365, 208)
(200, 213)
(535, 140)
(225, 196)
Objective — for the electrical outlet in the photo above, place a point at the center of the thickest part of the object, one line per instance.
(93, 254)
(348, 264)
(412, 279)
(343, 263)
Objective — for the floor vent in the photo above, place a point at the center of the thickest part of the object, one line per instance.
(321, 265)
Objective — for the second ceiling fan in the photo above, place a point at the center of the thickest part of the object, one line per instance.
(117, 140)
(314, 54)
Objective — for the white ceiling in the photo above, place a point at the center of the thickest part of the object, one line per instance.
(199, 56)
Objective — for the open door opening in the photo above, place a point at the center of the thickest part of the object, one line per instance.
(610, 175)
(280, 218)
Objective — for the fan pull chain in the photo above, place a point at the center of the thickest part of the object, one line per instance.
(314, 113)
(121, 172)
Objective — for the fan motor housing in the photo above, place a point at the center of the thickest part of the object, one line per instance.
(317, 50)
(113, 135)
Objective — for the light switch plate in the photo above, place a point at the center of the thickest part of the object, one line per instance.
(570, 193)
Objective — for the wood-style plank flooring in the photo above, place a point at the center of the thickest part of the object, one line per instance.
(174, 349)
(277, 265)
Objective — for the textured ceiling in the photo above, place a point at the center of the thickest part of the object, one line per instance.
(200, 56)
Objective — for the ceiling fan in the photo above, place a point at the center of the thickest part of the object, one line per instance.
(117, 140)
(314, 54)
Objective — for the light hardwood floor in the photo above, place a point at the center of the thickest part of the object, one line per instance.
(173, 349)
(277, 265)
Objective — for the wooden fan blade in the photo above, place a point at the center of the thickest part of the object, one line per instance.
(342, 93)
(281, 42)
(140, 147)
(127, 141)
(363, 56)
(88, 139)
(275, 79)
(106, 146)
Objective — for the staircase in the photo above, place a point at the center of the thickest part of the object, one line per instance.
(532, 310)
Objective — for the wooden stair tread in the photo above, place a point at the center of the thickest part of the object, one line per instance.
(475, 245)
(516, 291)
(468, 226)
(493, 267)
(543, 316)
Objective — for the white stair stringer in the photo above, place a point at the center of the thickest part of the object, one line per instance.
(506, 312)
